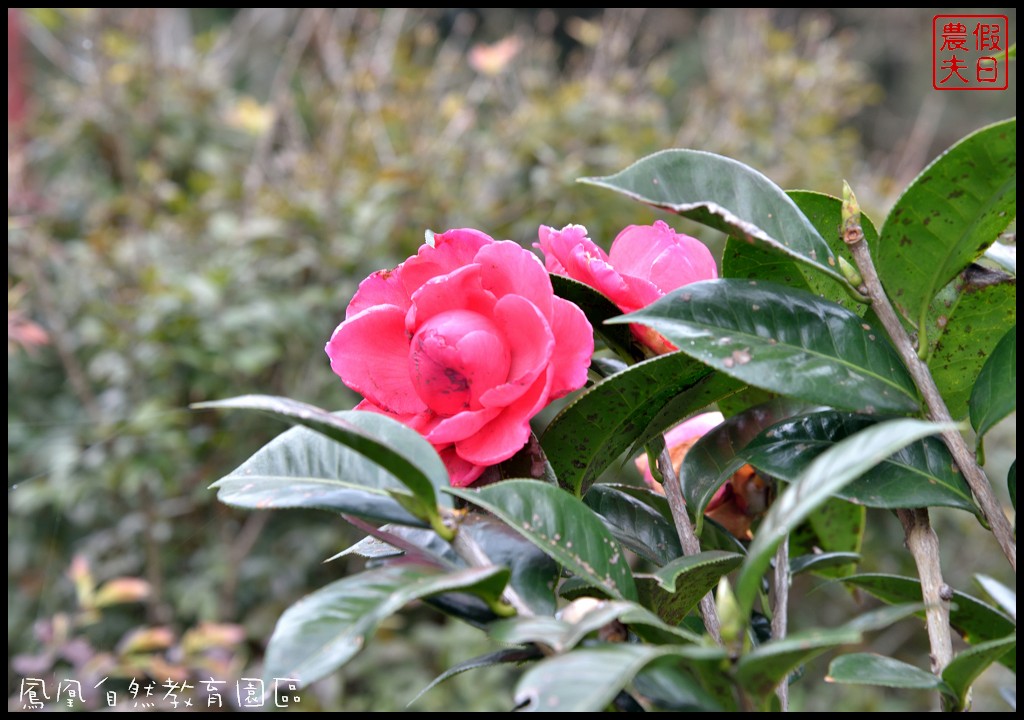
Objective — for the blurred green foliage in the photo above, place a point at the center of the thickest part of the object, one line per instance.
(196, 194)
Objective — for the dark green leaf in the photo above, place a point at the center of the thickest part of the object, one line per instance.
(713, 459)
(837, 526)
(965, 668)
(302, 468)
(764, 667)
(749, 262)
(973, 619)
(534, 573)
(499, 657)
(727, 195)
(829, 473)
(995, 392)
(635, 524)
(599, 308)
(784, 340)
(702, 569)
(872, 669)
(398, 449)
(816, 563)
(666, 684)
(321, 632)
(965, 323)
(676, 589)
(947, 216)
(594, 430)
(582, 617)
(560, 525)
(919, 475)
(588, 680)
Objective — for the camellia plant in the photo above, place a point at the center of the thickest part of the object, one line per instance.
(831, 368)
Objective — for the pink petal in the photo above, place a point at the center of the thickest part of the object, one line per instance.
(452, 250)
(683, 264)
(455, 357)
(461, 426)
(530, 343)
(460, 289)
(382, 288)
(678, 441)
(370, 352)
(635, 249)
(504, 436)
(574, 346)
(509, 269)
(461, 472)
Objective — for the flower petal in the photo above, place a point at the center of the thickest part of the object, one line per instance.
(370, 353)
(451, 250)
(575, 345)
(460, 289)
(383, 287)
(461, 472)
(504, 436)
(530, 343)
(509, 269)
(461, 426)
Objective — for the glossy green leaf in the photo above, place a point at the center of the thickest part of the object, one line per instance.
(702, 569)
(975, 620)
(600, 424)
(534, 575)
(784, 340)
(947, 216)
(965, 323)
(919, 475)
(995, 392)
(764, 667)
(745, 261)
(817, 563)
(398, 449)
(579, 619)
(322, 631)
(669, 687)
(829, 473)
(302, 468)
(836, 527)
(965, 668)
(727, 195)
(872, 669)
(499, 657)
(636, 525)
(676, 589)
(561, 526)
(588, 680)
(1004, 597)
(714, 458)
(598, 308)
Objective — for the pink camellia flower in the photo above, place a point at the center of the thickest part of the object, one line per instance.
(464, 342)
(645, 263)
(738, 502)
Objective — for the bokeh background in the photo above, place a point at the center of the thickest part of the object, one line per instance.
(194, 195)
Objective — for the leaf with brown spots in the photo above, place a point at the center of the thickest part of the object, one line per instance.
(968, 197)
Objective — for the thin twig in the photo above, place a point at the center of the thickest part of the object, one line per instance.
(937, 410)
(780, 610)
(923, 544)
(687, 538)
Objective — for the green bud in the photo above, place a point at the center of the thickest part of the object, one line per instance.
(728, 613)
(852, 231)
(850, 273)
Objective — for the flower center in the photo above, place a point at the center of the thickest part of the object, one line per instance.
(456, 357)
